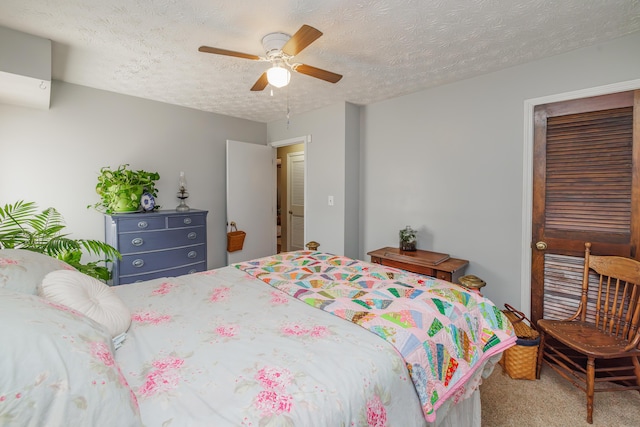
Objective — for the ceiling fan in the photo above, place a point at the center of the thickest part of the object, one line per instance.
(280, 49)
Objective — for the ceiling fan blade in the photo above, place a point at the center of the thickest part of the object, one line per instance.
(261, 83)
(301, 39)
(217, 51)
(317, 73)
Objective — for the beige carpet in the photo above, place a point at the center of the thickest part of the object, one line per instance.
(552, 401)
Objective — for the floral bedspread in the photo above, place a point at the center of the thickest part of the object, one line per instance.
(221, 348)
(443, 332)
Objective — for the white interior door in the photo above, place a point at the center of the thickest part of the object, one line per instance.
(251, 198)
(295, 200)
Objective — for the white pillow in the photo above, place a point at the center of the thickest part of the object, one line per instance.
(89, 296)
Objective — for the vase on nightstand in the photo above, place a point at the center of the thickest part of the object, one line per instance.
(408, 239)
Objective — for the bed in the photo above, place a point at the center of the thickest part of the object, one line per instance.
(296, 339)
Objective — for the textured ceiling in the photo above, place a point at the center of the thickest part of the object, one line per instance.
(384, 48)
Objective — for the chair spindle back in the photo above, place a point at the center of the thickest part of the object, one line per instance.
(617, 306)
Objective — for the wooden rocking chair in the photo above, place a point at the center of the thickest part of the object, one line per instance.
(605, 326)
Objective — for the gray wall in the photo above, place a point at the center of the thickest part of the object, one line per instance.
(25, 54)
(352, 182)
(25, 69)
(325, 164)
(332, 160)
(449, 160)
(53, 157)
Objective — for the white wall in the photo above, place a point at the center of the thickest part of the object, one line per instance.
(53, 157)
(449, 160)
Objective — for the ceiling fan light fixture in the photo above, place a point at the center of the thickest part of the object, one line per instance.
(280, 49)
(278, 76)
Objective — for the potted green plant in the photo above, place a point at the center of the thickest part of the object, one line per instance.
(120, 189)
(23, 227)
(408, 239)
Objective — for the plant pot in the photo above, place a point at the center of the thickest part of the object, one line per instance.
(127, 199)
(120, 190)
(408, 246)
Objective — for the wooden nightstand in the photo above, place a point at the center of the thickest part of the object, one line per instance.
(432, 264)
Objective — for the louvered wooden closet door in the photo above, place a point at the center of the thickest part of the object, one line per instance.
(586, 187)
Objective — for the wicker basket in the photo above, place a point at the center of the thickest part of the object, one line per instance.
(235, 238)
(520, 361)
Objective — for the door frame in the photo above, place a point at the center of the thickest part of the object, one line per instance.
(527, 173)
(306, 140)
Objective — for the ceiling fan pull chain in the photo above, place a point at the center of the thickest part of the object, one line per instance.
(288, 109)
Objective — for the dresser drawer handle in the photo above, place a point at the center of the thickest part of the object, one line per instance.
(138, 263)
(187, 220)
(193, 270)
(143, 224)
(192, 254)
(192, 235)
(137, 241)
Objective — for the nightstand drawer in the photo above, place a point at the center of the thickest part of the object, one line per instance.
(427, 271)
(151, 261)
(185, 221)
(161, 239)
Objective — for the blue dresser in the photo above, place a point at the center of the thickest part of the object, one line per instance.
(157, 244)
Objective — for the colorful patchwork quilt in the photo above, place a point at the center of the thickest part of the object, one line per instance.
(442, 331)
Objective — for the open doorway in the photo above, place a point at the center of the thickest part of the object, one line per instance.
(290, 197)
